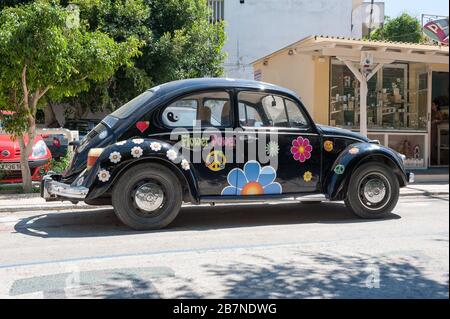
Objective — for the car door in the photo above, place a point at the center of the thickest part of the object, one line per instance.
(198, 123)
(287, 144)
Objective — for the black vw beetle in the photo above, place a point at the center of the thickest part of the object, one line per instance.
(222, 140)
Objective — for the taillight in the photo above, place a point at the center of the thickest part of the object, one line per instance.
(93, 155)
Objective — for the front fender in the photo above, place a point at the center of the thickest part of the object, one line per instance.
(116, 158)
(335, 182)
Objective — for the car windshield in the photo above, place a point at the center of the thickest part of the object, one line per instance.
(129, 108)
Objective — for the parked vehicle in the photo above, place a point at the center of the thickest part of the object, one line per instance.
(10, 168)
(134, 160)
(82, 126)
(57, 144)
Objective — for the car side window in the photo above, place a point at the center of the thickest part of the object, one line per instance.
(249, 116)
(208, 108)
(295, 115)
(258, 109)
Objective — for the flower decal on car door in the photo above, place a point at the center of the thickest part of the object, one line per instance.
(301, 149)
(253, 180)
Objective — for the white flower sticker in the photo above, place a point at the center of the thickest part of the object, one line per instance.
(272, 149)
(172, 155)
(138, 141)
(121, 143)
(115, 157)
(104, 175)
(137, 152)
(155, 146)
(185, 165)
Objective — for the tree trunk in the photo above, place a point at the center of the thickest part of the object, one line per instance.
(30, 106)
(25, 151)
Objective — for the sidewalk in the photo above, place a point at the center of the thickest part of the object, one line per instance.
(26, 202)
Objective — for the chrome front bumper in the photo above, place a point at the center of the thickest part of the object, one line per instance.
(53, 190)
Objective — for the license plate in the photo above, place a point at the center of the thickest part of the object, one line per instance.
(10, 166)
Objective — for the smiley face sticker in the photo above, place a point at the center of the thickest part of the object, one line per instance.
(328, 146)
(339, 169)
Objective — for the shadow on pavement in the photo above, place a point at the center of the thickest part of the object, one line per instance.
(97, 223)
(329, 276)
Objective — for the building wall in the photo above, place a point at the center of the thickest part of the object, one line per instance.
(259, 27)
(306, 75)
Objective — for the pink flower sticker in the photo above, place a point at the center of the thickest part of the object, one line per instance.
(301, 149)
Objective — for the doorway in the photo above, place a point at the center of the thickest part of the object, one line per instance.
(439, 137)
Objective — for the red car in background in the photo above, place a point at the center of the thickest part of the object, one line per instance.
(10, 159)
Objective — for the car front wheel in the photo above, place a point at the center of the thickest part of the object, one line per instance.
(373, 191)
(147, 196)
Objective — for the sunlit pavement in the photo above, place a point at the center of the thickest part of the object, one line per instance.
(247, 251)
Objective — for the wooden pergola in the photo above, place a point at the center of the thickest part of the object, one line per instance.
(355, 52)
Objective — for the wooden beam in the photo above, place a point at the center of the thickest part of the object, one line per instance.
(396, 56)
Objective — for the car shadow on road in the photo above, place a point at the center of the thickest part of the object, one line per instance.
(103, 222)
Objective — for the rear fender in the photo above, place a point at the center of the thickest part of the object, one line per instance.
(117, 158)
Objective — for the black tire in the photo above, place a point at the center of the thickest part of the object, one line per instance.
(126, 204)
(365, 191)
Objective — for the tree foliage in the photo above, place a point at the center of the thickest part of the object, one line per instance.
(404, 28)
(179, 42)
(41, 54)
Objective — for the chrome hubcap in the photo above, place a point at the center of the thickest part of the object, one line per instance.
(375, 191)
(149, 197)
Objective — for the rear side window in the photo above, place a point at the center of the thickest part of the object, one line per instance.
(207, 108)
(129, 108)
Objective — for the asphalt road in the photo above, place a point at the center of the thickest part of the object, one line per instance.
(259, 251)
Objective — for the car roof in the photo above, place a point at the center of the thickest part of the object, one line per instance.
(211, 83)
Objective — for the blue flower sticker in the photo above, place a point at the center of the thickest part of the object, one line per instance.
(253, 180)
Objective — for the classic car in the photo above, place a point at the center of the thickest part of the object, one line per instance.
(224, 141)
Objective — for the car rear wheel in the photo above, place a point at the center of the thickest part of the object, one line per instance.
(373, 191)
(147, 196)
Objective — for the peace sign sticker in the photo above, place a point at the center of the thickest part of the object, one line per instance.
(339, 169)
(216, 161)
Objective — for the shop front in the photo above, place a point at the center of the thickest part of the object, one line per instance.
(396, 93)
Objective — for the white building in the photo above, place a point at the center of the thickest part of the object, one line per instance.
(256, 28)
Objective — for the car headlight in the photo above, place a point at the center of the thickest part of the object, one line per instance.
(39, 149)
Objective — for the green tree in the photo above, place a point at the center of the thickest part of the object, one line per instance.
(41, 54)
(180, 42)
(404, 28)
(12, 3)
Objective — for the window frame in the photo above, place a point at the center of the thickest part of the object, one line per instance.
(186, 95)
(310, 125)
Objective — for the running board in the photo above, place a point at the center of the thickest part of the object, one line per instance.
(262, 199)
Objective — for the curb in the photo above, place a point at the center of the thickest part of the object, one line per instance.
(89, 207)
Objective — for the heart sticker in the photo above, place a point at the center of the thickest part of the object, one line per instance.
(142, 126)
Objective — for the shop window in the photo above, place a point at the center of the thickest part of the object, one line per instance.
(412, 146)
(377, 137)
(345, 96)
(396, 100)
